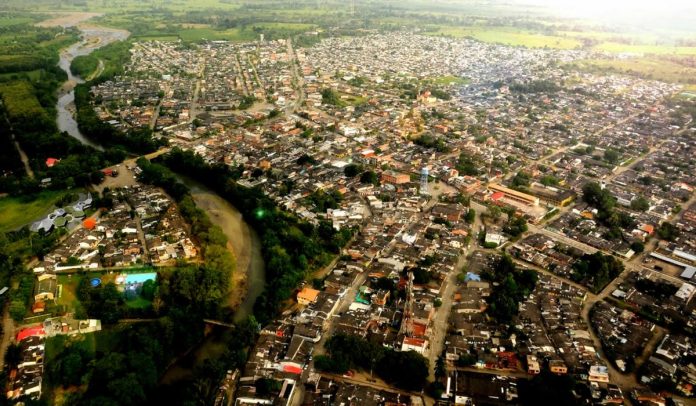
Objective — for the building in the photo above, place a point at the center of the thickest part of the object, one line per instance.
(558, 367)
(520, 197)
(418, 345)
(599, 373)
(307, 296)
(396, 178)
(45, 288)
(555, 196)
(533, 367)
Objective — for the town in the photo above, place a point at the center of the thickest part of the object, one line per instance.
(511, 221)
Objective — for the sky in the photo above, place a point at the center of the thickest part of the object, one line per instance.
(676, 15)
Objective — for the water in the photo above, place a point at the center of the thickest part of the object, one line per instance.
(247, 248)
(92, 38)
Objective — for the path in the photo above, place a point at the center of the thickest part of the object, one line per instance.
(8, 330)
(22, 155)
(299, 81)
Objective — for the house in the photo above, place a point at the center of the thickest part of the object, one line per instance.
(307, 296)
(598, 373)
(45, 288)
(533, 365)
(418, 345)
(51, 162)
(558, 367)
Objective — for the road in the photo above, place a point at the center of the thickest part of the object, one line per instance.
(440, 321)
(8, 331)
(22, 155)
(298, 80)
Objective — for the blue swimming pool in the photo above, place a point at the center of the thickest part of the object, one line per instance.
(141, 277)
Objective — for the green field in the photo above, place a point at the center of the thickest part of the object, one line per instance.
(645, 67)
(508, 36)
(234, 34)
(616, 47)
(16, 212)
(449, 80)
(6, 21)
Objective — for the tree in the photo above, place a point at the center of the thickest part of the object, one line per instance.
(668, 231)
(640, 204)
(516, 226)
(637, 247)
(611, 156)
(548, 389)
(369, 177)
(352, 170)
(470, 216)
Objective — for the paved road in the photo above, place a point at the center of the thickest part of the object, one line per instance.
(299, 81)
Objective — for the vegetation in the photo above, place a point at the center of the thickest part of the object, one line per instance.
(323, 200)
(430, 141)
(516, 226)
(596, 270)
(16, 212)
(331, 97)
(513, 287)
(404, 369)
(291, 248)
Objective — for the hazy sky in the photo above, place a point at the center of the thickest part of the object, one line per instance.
(677, 15)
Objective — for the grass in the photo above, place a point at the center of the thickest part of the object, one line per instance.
(353, 100)
(645, 67)
(616, 47)
(138, 303)
(68, 286)
(233, 34)
(12, 21)
(508, 36)
(449, 80)
(16, 212)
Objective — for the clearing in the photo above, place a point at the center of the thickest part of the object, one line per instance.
(16, 212)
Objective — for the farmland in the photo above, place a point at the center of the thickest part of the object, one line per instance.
(650, 67)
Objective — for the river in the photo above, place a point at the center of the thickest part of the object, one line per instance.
(92, 38)
(248, 281)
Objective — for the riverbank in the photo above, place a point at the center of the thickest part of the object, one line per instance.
(248, 279)
(93, 37)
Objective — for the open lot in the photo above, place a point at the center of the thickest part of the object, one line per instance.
(16, 212)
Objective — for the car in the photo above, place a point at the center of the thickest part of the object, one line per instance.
(349, 374)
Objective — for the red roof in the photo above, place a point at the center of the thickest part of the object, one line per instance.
(51, 161)
(416, 342)
(497, 195)
(30, 332)
(292, 369)
(89, 223)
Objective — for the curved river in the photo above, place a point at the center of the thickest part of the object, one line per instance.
(92, 38)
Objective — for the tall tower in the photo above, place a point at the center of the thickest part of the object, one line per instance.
(407, 321)
(424, 181)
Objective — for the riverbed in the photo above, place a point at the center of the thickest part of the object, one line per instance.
(245, 243)
(93, 37)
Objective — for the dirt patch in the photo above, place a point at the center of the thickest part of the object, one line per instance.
(67, 19)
